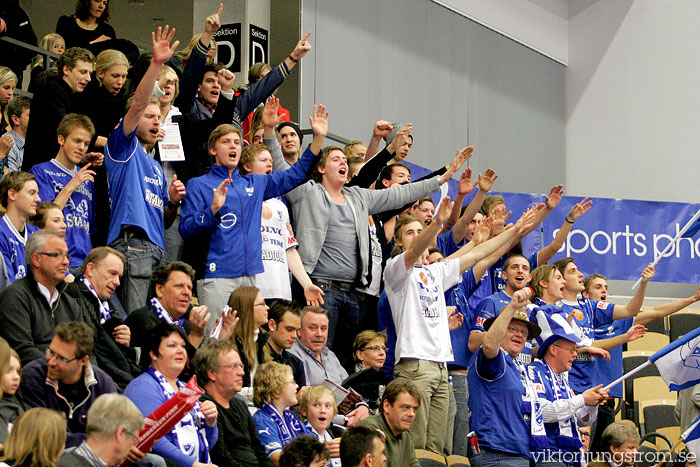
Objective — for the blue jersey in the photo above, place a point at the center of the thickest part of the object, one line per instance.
(595, 315)
(458, 296)
(138, 191)
(496, 397)
(490, 307)
(498, 283)
(269, 432)
(446, 243)
(79, 211)
(385, 322)
(238, 222)
(12, 248)
(609, 371)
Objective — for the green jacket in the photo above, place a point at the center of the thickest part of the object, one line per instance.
(399, 450)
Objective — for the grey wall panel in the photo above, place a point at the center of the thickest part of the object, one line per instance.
(458, 82)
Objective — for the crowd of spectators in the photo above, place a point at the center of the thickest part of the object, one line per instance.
(330, 311)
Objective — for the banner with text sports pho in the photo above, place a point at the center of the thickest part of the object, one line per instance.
(617, 237)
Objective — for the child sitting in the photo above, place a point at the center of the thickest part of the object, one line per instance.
(318, 406)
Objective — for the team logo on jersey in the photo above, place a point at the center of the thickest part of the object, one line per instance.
(602, 304)
(250, 190)
(228, 220)
(424, 278)
(480, 321)
(690, 354)
(539, 387)
(578, 314)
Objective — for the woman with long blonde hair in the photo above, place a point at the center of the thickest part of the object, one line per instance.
(37, 439)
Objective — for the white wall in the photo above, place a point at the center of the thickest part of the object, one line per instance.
(633, 99)
(539, 24)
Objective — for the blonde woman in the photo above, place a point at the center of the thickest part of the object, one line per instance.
(249, 339)
(37, 439)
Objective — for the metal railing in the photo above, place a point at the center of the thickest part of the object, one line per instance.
(39, 51)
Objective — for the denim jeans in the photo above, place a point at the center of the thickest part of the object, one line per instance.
(142, 258)
(460, 444)
(488, 458)
(343, 322)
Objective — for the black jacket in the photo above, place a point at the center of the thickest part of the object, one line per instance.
(116, 360)
(27, 322)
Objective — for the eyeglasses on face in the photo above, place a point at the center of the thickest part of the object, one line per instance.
(376, 348)
(54, 255)
(51, 354)
(570, 349)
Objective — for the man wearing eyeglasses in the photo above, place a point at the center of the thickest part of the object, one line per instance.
(31, 307)
(562, 411)
(220, 372)
(64, 380)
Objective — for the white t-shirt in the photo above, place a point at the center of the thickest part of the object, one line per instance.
(277, 238)
(374, 286)
(417, 299)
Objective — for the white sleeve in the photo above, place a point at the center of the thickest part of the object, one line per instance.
(396, 274)
(562, 409)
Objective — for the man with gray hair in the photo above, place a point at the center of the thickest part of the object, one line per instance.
(113, 424)
(622, 442)
(31, 307)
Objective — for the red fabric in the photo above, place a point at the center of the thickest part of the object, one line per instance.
(249, 120)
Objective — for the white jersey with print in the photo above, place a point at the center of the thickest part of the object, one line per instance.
(417, 299)
(277, 238)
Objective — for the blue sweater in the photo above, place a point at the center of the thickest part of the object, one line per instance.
(147, 394)
(228, 244)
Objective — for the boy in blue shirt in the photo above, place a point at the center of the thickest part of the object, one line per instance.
(19, 195)
(62, 181)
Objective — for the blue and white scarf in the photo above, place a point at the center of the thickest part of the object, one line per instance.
(289, 425)
(192, 443)
(531, 407)
(165, 316)
(105, 314)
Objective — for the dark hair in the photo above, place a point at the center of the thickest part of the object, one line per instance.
(356, 443)
(80, 333)
(82, 11)
(315, 174)
(388, 172)
(16, 107)
(561, 264)
(70, 58)
(211, 67)
(279, 307)
(158, 334)
(301, 451)
(162, 273)
(69, 122)
(396, 387)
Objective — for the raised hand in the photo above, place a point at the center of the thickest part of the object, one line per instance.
(594, 396)
(525, 222)
(457, 161)
(176, 192)
(486, 180)
(579, 209)
(270, 118)
(648, 273)
(483, 232)
(319, 120)
(520, 298)
(226, 79)
(465, 185)
(220, 195)
(199, 317)
(83, 175)
(382, 128)
(596, 352)
(552, 200)
(444, 210)
(162, 50)
(401, 138)
(635, 332)
(302, 48)
(213, 22)
(94, 158)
